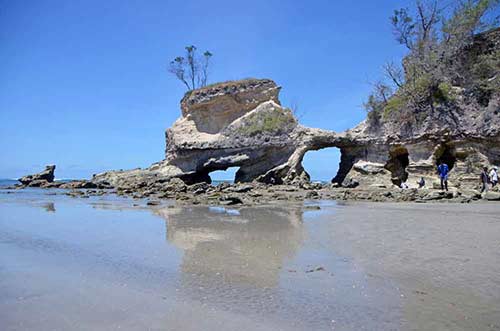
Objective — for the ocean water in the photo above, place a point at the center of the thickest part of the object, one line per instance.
(8, 182)
(110, 263)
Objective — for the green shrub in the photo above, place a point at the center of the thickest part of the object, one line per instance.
(444, 93)
(486, 76)
(395, 104)
(270, 122)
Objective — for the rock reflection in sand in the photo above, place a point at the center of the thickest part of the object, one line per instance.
(49, 207)
(248, 245)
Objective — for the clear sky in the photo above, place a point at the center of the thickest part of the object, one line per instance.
(83, 84)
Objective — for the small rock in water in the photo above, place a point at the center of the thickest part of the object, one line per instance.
(316, 269)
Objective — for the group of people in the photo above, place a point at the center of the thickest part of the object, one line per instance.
(487, 178)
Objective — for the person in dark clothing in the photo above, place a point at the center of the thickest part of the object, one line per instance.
(443, 175)
(485, 179)
(421, 182)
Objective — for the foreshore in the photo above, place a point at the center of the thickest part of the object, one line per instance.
(108, 262)
(257, 193)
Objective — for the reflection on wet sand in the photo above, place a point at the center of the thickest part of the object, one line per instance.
(49, 207)
(248, 245)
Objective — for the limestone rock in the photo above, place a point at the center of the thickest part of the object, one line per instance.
(243, 124)
(491, 196)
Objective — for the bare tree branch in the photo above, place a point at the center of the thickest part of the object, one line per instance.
(191, 70)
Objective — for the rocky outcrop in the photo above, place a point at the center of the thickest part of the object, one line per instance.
(234, 124)
(39, 179)
(242, 124)
(462, 130)
(45, 179)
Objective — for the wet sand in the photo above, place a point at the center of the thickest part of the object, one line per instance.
(103, 264)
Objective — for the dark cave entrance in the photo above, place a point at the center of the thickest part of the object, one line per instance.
(398, 161)
(447, 155)
(323, 164)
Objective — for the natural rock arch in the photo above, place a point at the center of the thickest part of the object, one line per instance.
(242, 124)
(228, 174)
(322, 163)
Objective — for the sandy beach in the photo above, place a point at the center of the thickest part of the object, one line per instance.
(108, 263)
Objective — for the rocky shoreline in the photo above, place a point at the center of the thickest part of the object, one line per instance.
(157, 190)
(242, 124)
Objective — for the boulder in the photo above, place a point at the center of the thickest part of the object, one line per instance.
(436, 195)
(491, 196)
(470, 194)
(39, 179)
(230, 200)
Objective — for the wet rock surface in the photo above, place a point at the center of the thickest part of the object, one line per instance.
(255, 193)
(155, 189)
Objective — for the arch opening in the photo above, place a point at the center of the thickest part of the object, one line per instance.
(398, 161)
(220, 176)
(323, 164)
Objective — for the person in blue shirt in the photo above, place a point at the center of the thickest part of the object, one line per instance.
(443, 175)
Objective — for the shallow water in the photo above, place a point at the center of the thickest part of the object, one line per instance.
(104, 264)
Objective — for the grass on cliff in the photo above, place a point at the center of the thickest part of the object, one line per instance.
(268, 122)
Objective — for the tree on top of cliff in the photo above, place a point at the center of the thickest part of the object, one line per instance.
(438, 60)
(191, 69)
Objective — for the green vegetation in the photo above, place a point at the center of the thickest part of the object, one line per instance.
(486, 75)
(270, 122)
(443, 93)
(394, 104)
(442, 54)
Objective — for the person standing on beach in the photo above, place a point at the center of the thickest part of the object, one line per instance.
(443, 175)
(484, 179)
(494, 176)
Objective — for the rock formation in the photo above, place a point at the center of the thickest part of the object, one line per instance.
(242, 124)
(39, 179)
(233, 124)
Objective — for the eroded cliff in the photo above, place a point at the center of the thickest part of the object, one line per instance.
(242, 124)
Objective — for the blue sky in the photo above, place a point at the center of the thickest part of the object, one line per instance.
(83, 84)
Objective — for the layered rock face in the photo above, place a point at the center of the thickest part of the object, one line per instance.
(463, 132)
(235, 124)
(242, 124)
(466, 138)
